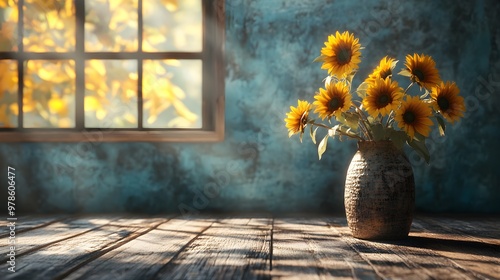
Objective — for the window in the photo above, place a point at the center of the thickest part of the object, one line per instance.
(111, 70)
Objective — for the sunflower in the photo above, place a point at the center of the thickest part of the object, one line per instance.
(382, 97)
(341, 54)
(414, 116)
(333, 100)
(422, 70)
(383, 70)
(298, 117)
(445, 100)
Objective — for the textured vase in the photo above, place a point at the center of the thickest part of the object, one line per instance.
(379, 193)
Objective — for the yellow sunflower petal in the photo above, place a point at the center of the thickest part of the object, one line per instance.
(422, 70)
(297, 118)
(446, 100)
(383, 70)
(414, 116)
(382, 96)
(333, 100)
(341, 54)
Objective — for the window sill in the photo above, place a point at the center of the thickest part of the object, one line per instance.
(98, 135)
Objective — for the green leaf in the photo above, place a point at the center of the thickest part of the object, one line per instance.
(319, 58)
(361, 90)
(393, 65)
(322, 146)
(421, 149)
(378, 131)
(441, 125)
(405, 72)
(419, 137)
(425, 94)
(313, 134)
(398, 137)
(350, 77)
(349, 119)
(327, 80)
(332, 132)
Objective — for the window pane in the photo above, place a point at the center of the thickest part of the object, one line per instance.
(49, 94)
(49, 25)
(172, 25)
(111, 25)
(8, 93)
(8, 25)
(172, 93)
(111, 93)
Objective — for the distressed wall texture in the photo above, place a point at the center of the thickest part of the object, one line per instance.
(270, 46)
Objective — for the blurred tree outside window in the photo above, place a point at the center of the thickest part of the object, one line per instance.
(106, 64)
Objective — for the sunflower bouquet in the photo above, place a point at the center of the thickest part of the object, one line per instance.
(378, 109)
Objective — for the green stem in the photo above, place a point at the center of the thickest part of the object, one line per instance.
(354, 136)
(364, 122)
(406, 90)
(390, 119)
(362, 126)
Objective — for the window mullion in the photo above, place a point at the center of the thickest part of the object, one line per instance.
(206, 109)
(139, 67)
(20, 63)
(80, 65)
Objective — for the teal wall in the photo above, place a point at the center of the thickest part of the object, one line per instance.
(270, 45)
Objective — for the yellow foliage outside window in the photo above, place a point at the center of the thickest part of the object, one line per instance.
(50, 55)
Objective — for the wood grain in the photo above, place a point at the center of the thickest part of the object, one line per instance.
(249, 247)
(26, 223)
(402, 259)
(308, 249)
(145, 255)
(52, 232)
(235, 248)
(464, 247)
(56, 259)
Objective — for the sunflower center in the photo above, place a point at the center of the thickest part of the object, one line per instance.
(385, 73)
(383, 100)
(334, 104)
(409, 117)
(443, 103)
(419, 74)
(344, 55)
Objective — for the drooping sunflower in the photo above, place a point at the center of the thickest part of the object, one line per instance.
(333, 100)
(414, 116)
(445, 100)
(383, 70)
(382, 96)
(422, 70)
(341, 54)
(298, 117)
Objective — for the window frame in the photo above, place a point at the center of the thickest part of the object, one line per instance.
(213, 88)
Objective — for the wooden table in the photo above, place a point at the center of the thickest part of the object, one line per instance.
(246, 247)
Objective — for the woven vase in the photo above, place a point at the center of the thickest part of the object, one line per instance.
(379, 193)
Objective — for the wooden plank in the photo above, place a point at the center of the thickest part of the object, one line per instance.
(26, 223)
(144, 256)
(466, 251)
(483, 229)
(235, 248)
(403, 259)
(55, 231)
(308, 249)
(61, 258)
